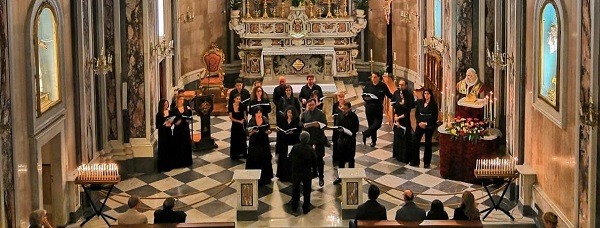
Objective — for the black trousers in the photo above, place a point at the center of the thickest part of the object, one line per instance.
(374, 118)
(428, 132)
(320, 166)
(306, 189)
(348, 152)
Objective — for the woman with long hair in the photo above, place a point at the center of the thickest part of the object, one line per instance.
(468, 208)
(403, 104)
(259, 151)
(182, 141)
(237, 115)
(337, 110)
(427, 114)
(288, 99)
(288, 134)
(258, 98)
(437, 211)
(163, 124)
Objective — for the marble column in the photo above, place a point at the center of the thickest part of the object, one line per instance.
(464, 37)
(135, 69)
(489, 40)
(111, 82)
(8, 184)
(585, 131)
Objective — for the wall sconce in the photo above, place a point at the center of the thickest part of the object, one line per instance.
(4, 127)
(101, 65)
(434, 43)
(162, 49)
(187, 17)
(498, 59)
(589, 114)
(406, 15)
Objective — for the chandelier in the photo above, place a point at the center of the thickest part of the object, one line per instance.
(162, 49)
(406, 15)
(103, 64)
(436, 44)
(498, 59)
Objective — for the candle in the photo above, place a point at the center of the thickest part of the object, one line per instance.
(485, 108)
(443, 105)
(394, 56)
(495, 105)
(371, 54)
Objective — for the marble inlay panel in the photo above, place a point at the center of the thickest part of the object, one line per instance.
(490, 13)
(152, 69)
(584, 130)
(464, 37)
(5, 119)
(135, 72)
(87, 112)
(111, 81)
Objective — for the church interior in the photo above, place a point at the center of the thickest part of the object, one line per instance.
(514, 84)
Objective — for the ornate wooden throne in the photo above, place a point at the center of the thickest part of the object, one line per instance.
(213, 78)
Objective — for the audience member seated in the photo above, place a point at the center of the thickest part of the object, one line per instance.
(468, 209)
(410, 211)
(371, 210)
(167, 215)
(39, 219)
(550, 220)
(132, 216)
(437, 211)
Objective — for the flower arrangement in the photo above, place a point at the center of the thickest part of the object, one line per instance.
(469, 129)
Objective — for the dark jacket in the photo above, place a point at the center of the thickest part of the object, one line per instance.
(371, 210)
(350, 122)
(302, 158)
(410, 212)
(278, 93)
(317, 135)
(244, 94)
(459, 213)
(380, 90)
(437, 215)
(403, 109)
(427, 114)
(306, 92)
(169, 216)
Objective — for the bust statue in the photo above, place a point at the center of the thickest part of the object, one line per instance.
(470, 86)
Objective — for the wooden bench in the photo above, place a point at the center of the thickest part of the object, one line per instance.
(172, 225)
(426, 223)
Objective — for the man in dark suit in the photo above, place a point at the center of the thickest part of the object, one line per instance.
(303, 159)
(239, 88)
(346, 140)
(374, 106)
(279, 92)
(371, 210)
(167, 215)
(306, 93)
(410, 211)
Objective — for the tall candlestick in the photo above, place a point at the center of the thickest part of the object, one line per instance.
(371, 54)
(495, 105)
(394, 56)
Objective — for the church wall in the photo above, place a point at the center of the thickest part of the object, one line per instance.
(209, 25)
(27, 181)
(550, 150)
(7, 208)
(376, 33)
(405, 36)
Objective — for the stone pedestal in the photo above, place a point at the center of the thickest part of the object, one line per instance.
(352, 189)
(527, 177)
(247, 188)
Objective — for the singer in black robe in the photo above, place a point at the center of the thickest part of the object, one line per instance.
(182, 140)
(163, 162)
(259, 151)
(335, 135)
(403, 101)
(259, 98)
(285, 139)
(426, 114)
(237, 114)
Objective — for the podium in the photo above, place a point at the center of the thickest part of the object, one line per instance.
(247, 188)
(352, 189)
(203, 105)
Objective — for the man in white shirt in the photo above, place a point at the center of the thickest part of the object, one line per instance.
(132, 216)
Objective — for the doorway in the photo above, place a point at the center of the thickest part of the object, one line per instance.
(49, 171)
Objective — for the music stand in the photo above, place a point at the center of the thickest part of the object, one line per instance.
(203, 105)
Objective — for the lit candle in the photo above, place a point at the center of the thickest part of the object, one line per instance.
(443, 106)
(495, 105)
(485, 108)
(394, 56)
(371, 54)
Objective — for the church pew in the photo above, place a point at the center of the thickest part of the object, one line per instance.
(173, 225)
(426, 223)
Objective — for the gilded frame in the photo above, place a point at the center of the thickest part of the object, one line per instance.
(551, 98)
(38, 104)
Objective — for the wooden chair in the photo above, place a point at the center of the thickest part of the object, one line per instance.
(213, 78)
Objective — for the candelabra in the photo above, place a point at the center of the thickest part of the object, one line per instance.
(187, 17)
(162, 49)
(345, 8)
(283, 9)
(320, 11)
(101, 65)
(329, 15)
(589, 114)
(311, 13)
(248, 15)
(105, 172)
(498, 59)
(265, 14)
(495, 167)
(406, 15)
(434, 43)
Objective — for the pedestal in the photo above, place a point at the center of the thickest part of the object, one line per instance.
(203, 105)
(352, 188)
(527, 178)
(247, 189)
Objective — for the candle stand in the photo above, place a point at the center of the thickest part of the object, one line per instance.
(498, 169)
(97, 177)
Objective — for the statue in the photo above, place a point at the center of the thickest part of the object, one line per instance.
(470, 86)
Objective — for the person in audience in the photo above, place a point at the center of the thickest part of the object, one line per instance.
(410, 211)
(550, 220)
(307, 90)
(336, 111)
(310, 121)
(237, 115)
(239, 89)
(403, 102)
(437, 211)
(182, 141)
(468, 209)
(279, 92)
(132, 216)
(374, 106)
(288, 134)
(347, 121)
(39, 219)
(259, 151)
(371, 210)
(258, 98)
(288, 100)
(163, 123)
(302, 159)
(427, 114)
(167, 214)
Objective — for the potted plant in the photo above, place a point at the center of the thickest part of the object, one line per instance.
(361, 7)
(235, 7)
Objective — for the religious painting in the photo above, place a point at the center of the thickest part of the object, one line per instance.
(46, 46)
(437, 18)
(247, 196)
(549, 49)
(352, 193)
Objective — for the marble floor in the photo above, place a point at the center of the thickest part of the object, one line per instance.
(209, 199)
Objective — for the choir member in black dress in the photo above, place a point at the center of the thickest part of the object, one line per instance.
(287, 135)
(182, 141)
(239, 89)
(258, 98)
(337, 110)
(174, 100)
(259, 151)
(427, 114)
(237, 115)
(310, 121)
(163, 124)
(374, 107)
(347, 140)
(403, 102)
(279, 92)
(307, 90)
(288, 100)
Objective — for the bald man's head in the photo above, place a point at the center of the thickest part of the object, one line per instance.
(408, 196)
(281, 80)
